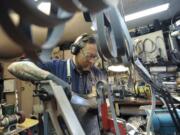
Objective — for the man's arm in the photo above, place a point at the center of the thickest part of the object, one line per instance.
(48, 66)
(54, 66)
(28, 71)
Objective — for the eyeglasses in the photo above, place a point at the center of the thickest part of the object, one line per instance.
(89, 56)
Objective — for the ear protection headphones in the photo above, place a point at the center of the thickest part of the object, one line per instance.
(175, 18)
(79, 43)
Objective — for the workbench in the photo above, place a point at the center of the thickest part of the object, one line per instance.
(27, 124)
(130, 106)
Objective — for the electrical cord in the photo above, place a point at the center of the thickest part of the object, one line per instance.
(173, 113)
(162, 100)
(143, 43)
(164, 93)
(175, 17)
(175, 57)
(138, 49)
(153, 45)
(163, 96)
(156, 39)
(153, 106)
(144, 49)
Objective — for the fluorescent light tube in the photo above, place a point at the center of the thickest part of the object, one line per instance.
(147, 12)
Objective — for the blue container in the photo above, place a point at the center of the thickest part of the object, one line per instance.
(162, 123)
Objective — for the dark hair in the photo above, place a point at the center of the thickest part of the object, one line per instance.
(90, 39)
(81, 42)
(87, 39)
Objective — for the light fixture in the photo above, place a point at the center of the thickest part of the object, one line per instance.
(45, 7)
(147, 12)
(118, 68)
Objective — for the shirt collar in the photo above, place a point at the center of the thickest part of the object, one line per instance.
(74, 67)
(72, 64)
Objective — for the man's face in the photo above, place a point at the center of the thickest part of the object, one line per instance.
(87, 56)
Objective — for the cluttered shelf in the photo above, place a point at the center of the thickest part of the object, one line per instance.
(27, 124)
(131, 101)
(133, 106)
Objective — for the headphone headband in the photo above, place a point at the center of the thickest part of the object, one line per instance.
(79, 43)
(80, 38)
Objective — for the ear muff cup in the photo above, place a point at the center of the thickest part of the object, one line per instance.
(75, 49)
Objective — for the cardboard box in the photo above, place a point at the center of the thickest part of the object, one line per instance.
(26, 98)
(6, 73)
(10, 98)
(10, 85)
(10, 90)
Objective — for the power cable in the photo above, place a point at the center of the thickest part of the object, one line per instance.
(164, 93)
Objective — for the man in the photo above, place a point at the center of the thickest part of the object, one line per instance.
(82, 75)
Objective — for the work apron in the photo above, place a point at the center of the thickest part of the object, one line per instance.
(87, 116)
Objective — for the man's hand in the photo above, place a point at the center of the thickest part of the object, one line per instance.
(93, 103)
